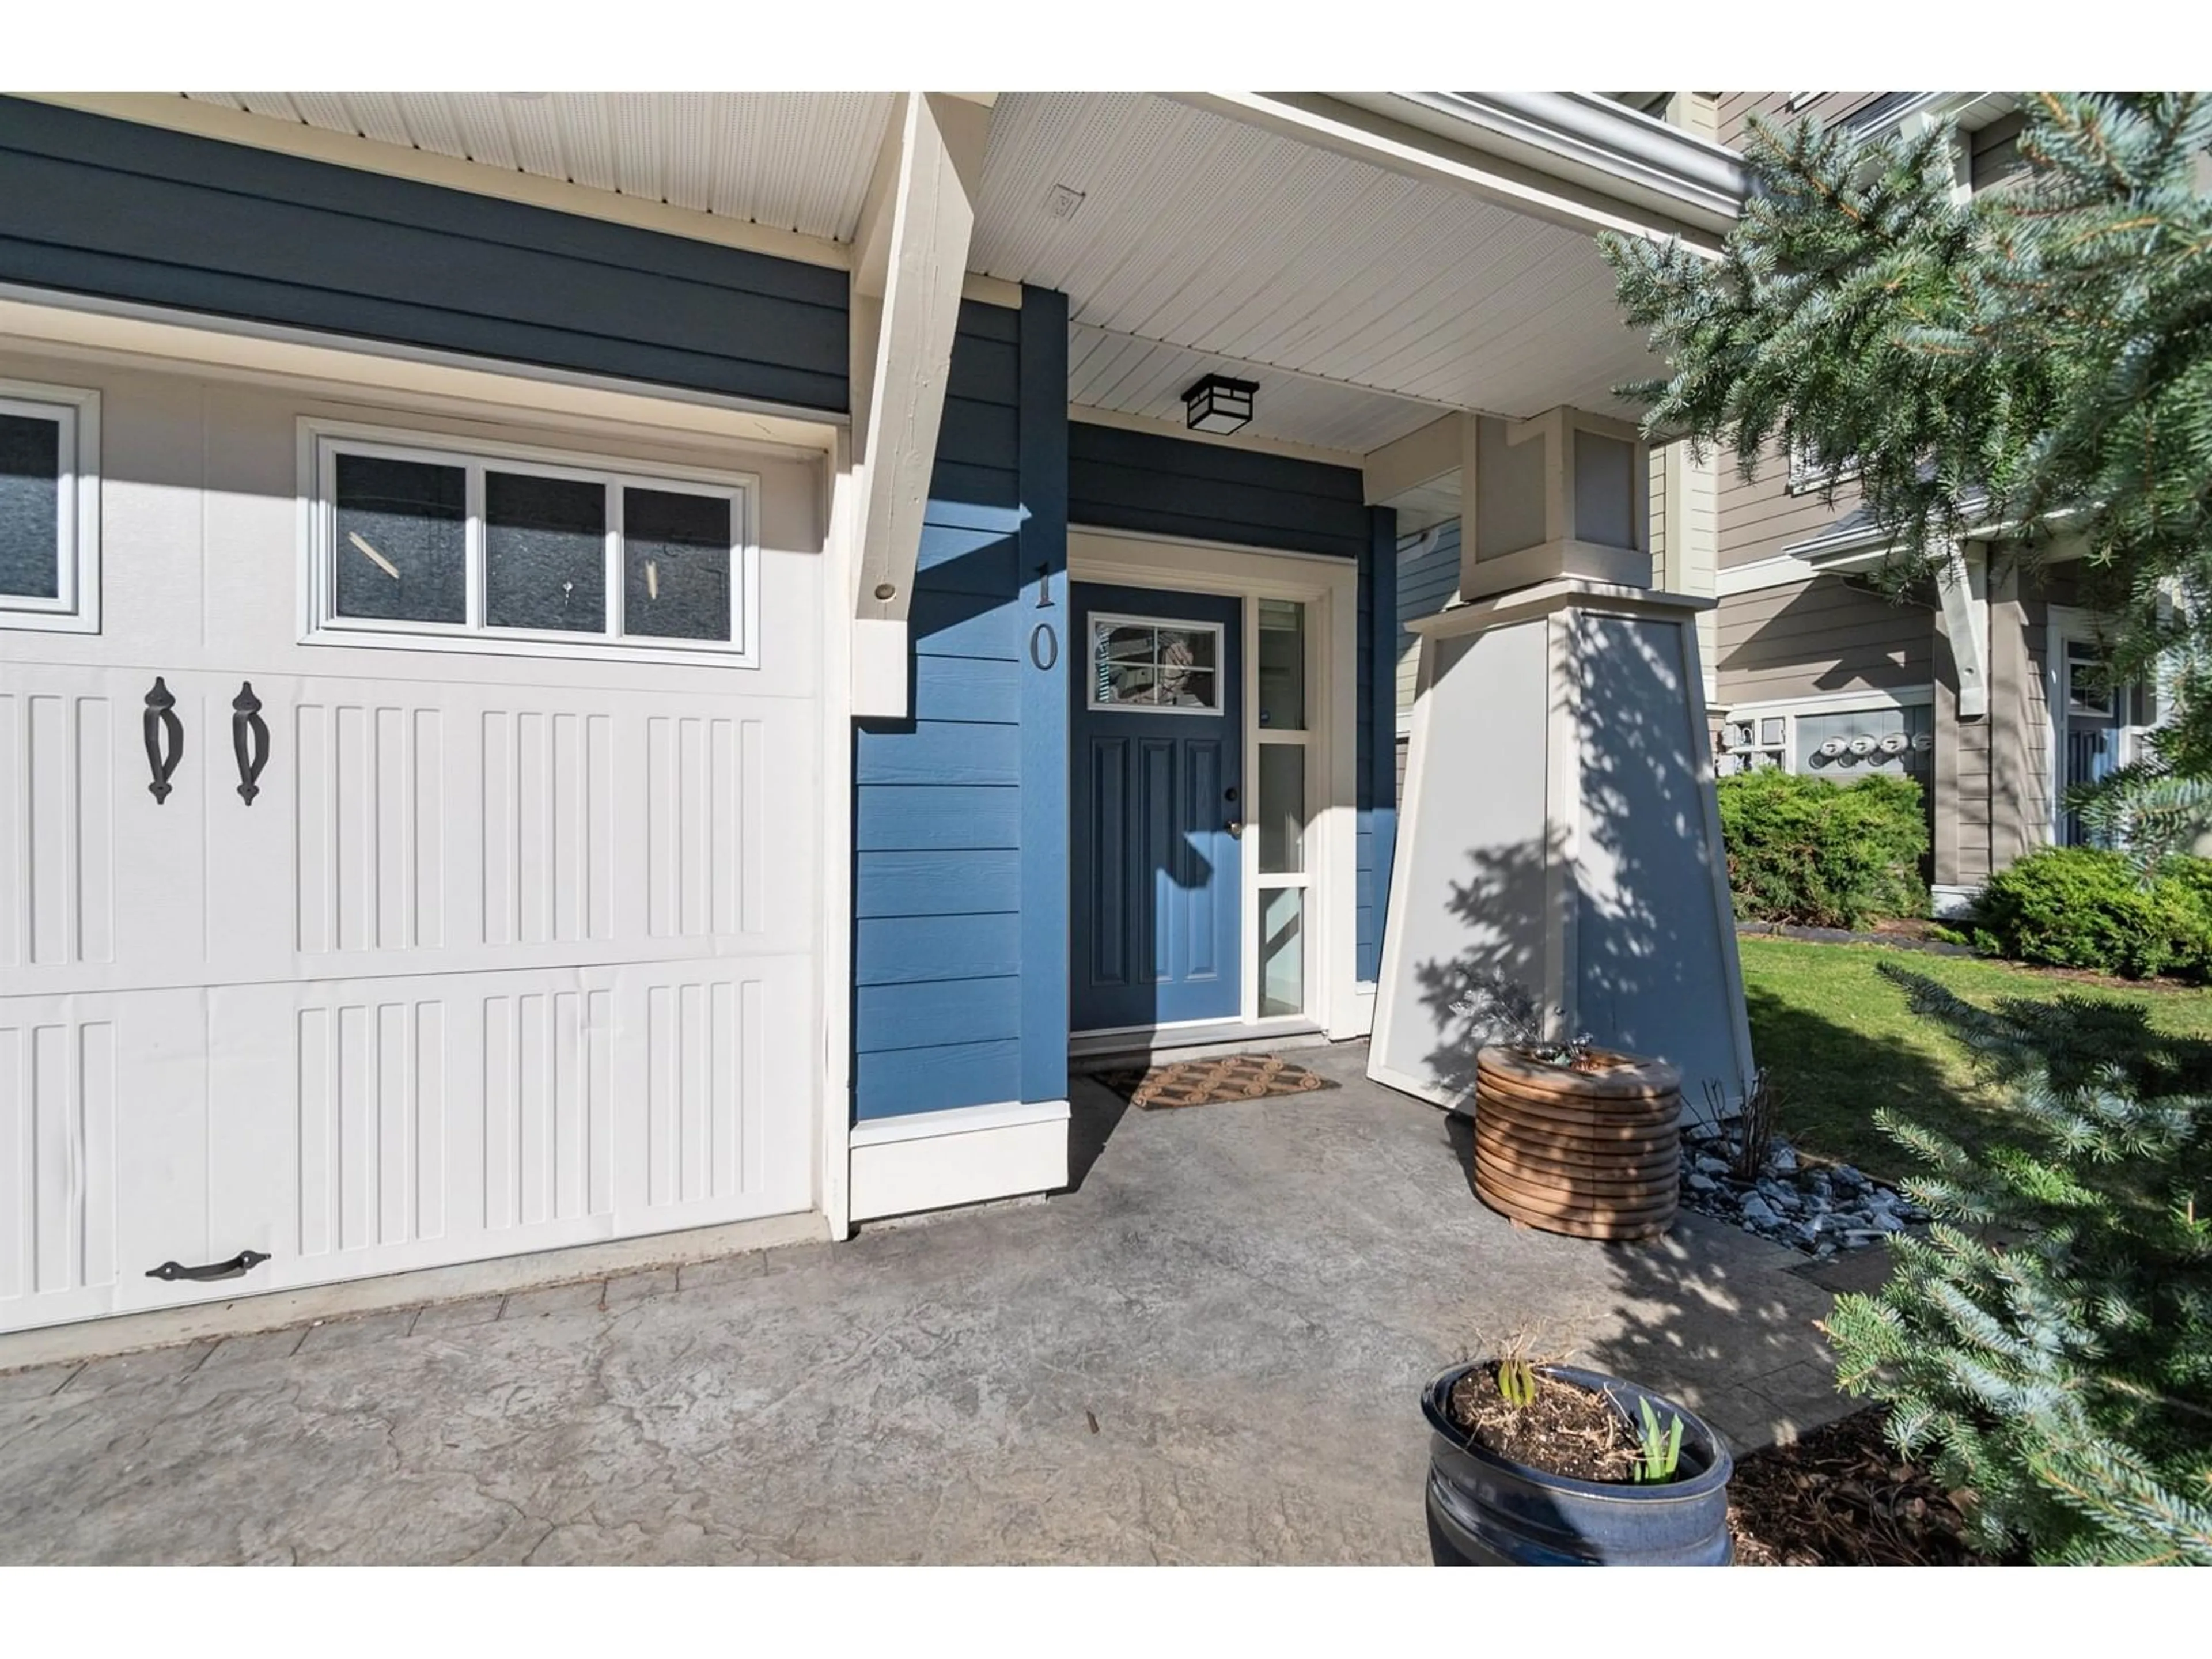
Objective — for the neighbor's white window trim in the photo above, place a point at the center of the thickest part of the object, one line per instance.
(321, 443)
(2063, 623)
(75, 607)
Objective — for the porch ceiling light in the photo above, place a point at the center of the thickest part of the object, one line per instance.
(1218, 404)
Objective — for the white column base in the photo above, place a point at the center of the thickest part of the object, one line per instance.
(930, 1160)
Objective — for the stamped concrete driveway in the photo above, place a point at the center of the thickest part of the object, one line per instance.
(1210, 1352)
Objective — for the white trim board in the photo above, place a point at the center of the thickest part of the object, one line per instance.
(1782, 570)
(35, 319)
(933, 1160)
(1189, 1034)
(1833, 702)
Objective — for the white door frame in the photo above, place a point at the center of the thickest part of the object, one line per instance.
(1329, 588)
(2064, 622)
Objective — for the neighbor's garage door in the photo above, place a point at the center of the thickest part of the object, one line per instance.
(515, 944)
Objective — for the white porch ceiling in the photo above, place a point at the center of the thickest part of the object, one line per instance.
(1132, 376)
(1363, 300)
(798, 160)
(1203, 231)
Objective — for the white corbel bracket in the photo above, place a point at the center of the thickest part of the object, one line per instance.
(1963, 587)
(910, 261)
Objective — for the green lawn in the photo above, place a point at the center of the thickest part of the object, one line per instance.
(1838, 1041)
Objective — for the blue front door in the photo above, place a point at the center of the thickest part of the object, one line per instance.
(1156, 797)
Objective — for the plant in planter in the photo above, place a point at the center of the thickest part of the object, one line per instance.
(1570, 1137)
(1541, 1464)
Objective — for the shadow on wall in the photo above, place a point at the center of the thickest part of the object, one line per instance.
(1886, 644)
(1500, 906)
(1649, 944)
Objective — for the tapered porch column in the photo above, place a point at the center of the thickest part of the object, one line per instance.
(1559, 827)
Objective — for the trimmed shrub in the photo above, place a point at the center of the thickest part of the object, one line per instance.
(2086, 907)
(1801, 849)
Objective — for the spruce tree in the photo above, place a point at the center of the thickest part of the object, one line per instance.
(2034, 362)
(2031, 363)
(2049, 1344)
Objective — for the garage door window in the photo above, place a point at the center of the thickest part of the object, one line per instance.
(510, 551)
(49, 509)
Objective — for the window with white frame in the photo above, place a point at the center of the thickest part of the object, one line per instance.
(49, 508)
(2099, 726)
(1155, 665)
(423, 541)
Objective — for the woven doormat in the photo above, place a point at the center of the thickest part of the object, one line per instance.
(1201, 1082)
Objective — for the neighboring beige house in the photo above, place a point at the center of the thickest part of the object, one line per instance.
(1977, 686)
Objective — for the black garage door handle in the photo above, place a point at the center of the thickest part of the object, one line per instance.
(237, 1267)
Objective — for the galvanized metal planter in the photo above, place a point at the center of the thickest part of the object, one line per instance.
(1485, 1510)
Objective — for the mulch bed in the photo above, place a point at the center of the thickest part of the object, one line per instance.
(1201, 1082)
(1842, 1497)
(1566, 1430)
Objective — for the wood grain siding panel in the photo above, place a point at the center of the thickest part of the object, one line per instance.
(960, 834)
(1823, 635)
(1143, 481)
(97, 206)
(1994, 151)
(1760, 518)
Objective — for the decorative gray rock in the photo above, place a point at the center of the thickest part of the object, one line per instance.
(1815, 1209)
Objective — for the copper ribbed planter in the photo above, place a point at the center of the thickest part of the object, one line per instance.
(1592, 1153)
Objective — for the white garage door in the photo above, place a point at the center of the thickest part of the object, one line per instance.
(513, 944)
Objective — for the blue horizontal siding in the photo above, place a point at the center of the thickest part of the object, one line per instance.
(940, 752)
(941, 882)
(1143, 481)
(960, 933)
(964, 625)
(985, 688)
(907, 817)
(908, 949)
(132, 212)
(966, 559)
(936, 1080)
(937, 1013)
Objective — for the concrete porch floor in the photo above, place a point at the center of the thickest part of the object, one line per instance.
(1210, 1352)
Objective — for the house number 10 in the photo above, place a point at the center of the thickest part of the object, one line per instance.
(1044, 644)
